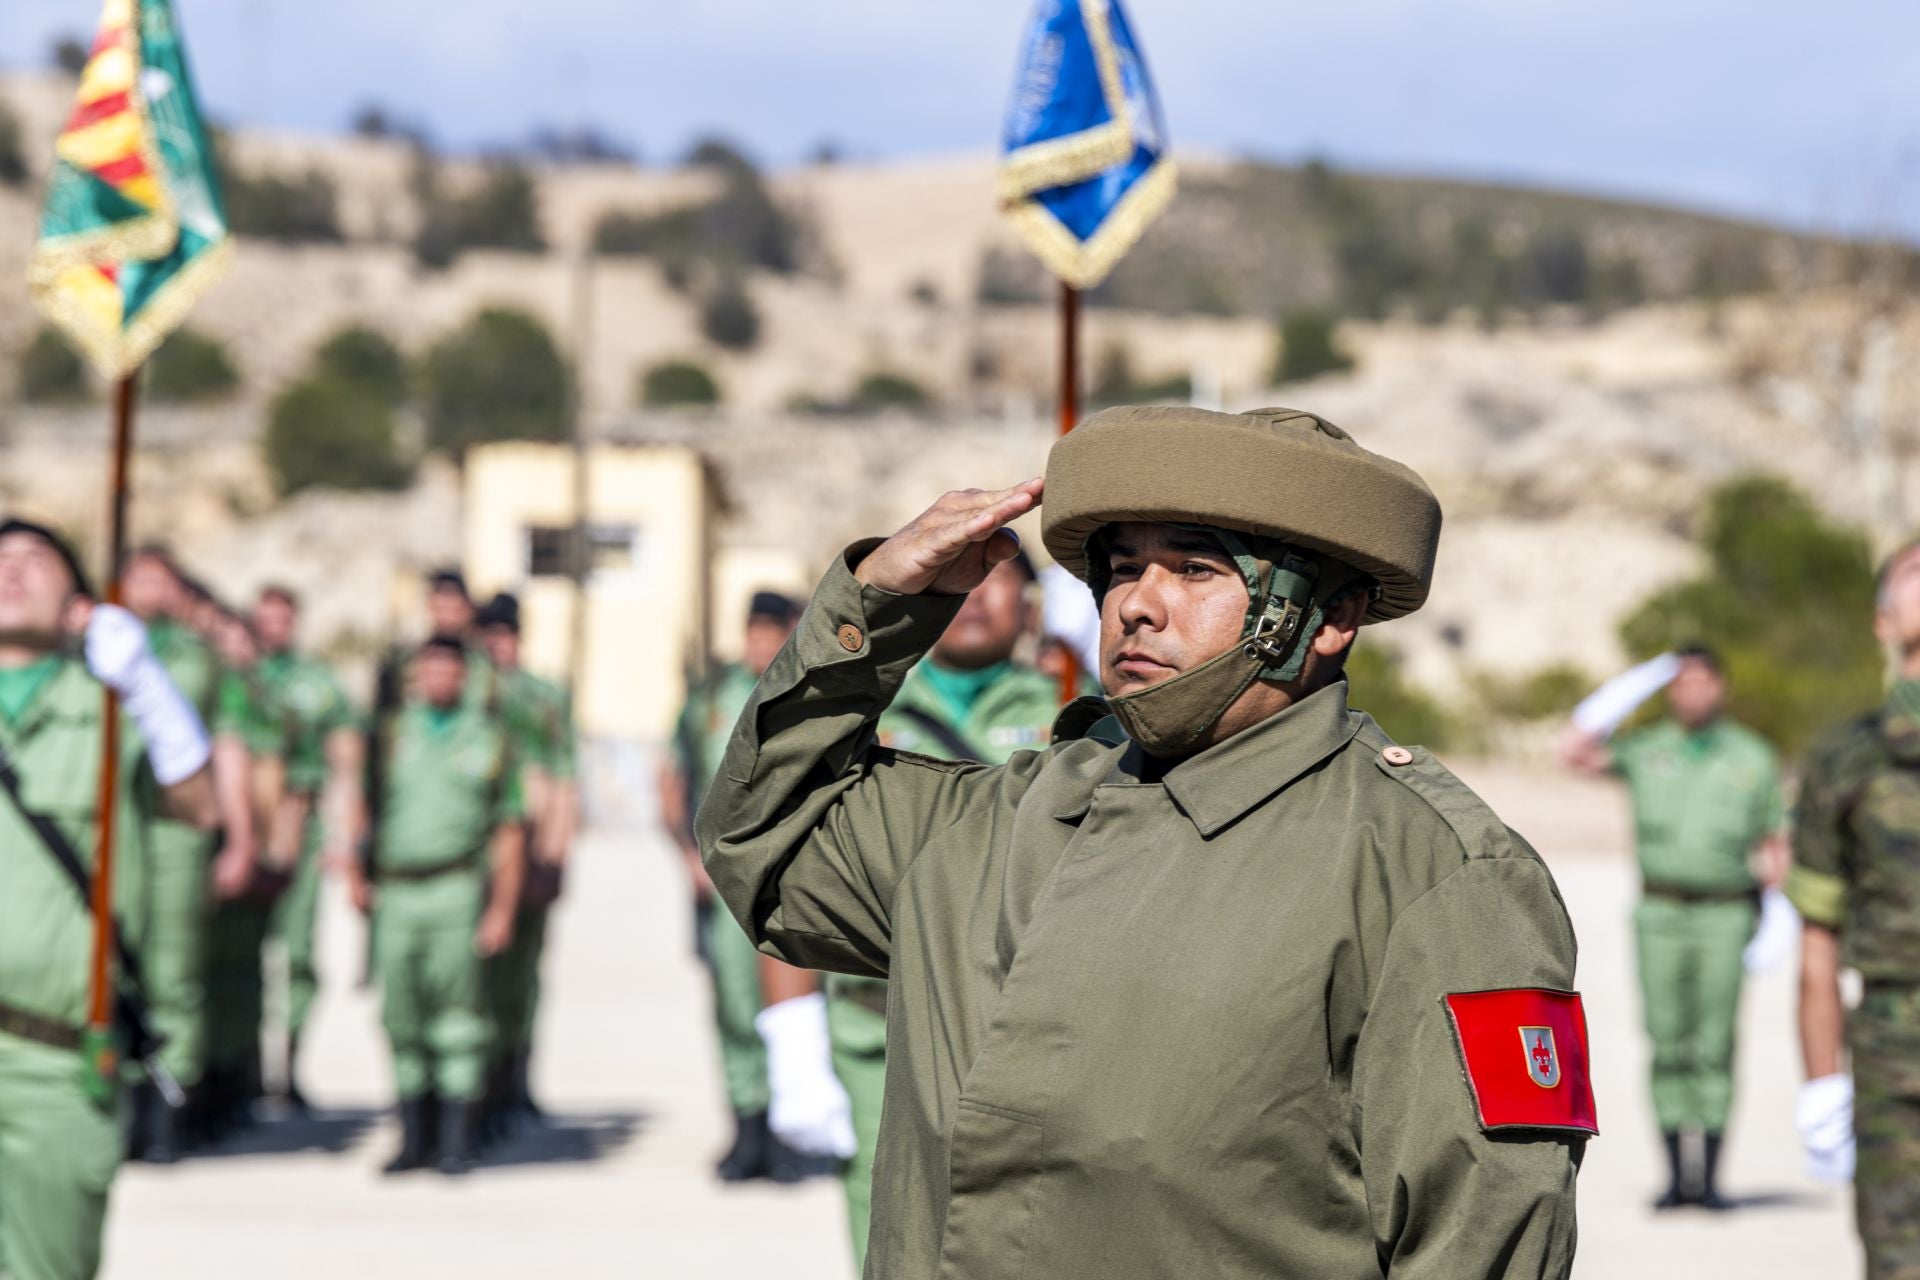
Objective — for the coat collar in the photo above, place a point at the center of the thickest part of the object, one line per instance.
(1220, 785)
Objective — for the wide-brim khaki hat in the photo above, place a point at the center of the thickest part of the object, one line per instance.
(1277, 473)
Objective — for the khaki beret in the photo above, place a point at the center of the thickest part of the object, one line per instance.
(1278, 473)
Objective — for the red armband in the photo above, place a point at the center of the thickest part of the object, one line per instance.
(1523, 1052)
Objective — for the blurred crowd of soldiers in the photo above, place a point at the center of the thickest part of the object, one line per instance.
(447, 807)
(246, 774)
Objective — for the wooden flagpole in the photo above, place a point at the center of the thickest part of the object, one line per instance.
(1069, 417)
(100, 993)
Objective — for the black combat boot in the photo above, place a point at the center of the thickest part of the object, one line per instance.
(520, 1092)
(296, 1101)
(166, 1131)
(786, 1165)
(1710, 1197)
(140, 1102)
(456, 1137)
(1676, 1192)
(747, 1158)
(416, 1146)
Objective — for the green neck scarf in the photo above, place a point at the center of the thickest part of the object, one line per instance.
(959, 690)
(19, 686)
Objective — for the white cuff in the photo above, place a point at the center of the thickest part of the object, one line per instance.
(118, 656)
(810, 1110)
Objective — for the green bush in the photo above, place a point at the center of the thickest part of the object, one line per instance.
(882, 390)
(677, 382)
(1309, 347)
(741, 227)
(729, 318)
(1376, 687)
(365, 358)
(1115, 383)
(498, 377)
(502, 213)
(291, 210)
(51, 371)
(1787, 601)
(326, 433)
(190, 366)
(13, 158)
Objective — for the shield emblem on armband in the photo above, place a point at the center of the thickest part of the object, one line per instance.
(1543, 1059)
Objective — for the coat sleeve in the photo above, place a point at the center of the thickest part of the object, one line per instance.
(808, 827)
(1448, 1201)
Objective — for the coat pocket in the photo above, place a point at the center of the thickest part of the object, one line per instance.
(996, 1165)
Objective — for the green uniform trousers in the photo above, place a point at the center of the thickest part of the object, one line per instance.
(431, 1001)
(1690, 975)
(736, 1002)
(58, 1154)
(173, 954)
(859, 1037)
(1884, 1033)
(296, 918)
(236, 984)
(513, 983)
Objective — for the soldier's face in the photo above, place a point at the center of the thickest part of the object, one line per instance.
(503, 646)
(1175, 601)
(149, 588)
(989, 624)
(234, 641)
(441, 677)
(34, 587)
(274, 621)
(449, 612)
(1697, 694)
(1897, 618)
(764, 638)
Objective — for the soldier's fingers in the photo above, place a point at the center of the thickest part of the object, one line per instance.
(1003, 546)
(1018, 501)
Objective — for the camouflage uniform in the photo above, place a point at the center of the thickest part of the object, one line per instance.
(1856, 872)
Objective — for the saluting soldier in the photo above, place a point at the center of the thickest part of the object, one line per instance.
(59, 1131)
(699, 740)
(539, 716)
(315, 825)
(1856, 883)
(1223, 978)
(187, 876)
(1708, 823)
(446, 883)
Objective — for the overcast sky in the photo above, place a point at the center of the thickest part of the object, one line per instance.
(1802, 112)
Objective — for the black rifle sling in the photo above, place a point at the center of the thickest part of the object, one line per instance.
(955, 746)
(61, 849)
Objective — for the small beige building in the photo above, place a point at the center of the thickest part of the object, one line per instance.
(645, 615)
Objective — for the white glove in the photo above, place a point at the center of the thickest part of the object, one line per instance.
(810, 1110)
(1607, 708)
(1824, 1116)
(118, 656)
(1777, 936)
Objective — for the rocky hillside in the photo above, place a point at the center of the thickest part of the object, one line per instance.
(1572, 375)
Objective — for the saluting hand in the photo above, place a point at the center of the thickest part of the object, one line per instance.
(951, 547)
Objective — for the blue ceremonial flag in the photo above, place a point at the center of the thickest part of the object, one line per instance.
(1085, 155)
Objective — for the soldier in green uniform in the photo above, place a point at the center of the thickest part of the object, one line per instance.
(447, 870)
(968, 700)
(1707, 809)
(314, 825)
(1223, 980)
(1856, 883)
(185, 878)
(699, 738)
(539, 717)
(59, 1139)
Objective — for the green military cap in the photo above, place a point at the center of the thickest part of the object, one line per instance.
(1273, 473)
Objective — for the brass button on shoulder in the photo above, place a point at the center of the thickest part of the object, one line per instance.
(850, 638)
(1397, 756)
